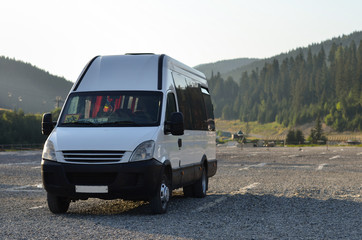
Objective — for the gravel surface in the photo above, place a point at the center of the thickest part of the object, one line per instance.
(257, 193)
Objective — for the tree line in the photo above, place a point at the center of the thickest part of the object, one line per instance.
(19, 128)
(296, 91)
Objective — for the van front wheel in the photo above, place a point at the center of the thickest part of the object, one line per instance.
(159, 201)
(57, 204)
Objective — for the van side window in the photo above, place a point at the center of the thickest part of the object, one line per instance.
(197, 105)
(196, 108)
(183, 99)
(171, 106)
(209, 109)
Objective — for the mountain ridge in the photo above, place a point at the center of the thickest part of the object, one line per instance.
(223, 66)
(237, 72)
(27, 87)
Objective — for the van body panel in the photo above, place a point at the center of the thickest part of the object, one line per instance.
(84, 153)
(135, 180)
(184, 160)
(109, 73)
(101, 138)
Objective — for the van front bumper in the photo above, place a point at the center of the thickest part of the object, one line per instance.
(133, 180)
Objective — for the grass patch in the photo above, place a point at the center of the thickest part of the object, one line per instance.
(254, 128)
(277, 131)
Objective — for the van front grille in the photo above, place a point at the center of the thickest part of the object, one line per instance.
(93, 156)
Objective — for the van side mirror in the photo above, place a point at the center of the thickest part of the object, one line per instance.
(47, 125)
(177, 123)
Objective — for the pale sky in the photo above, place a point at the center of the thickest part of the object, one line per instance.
(61, 36)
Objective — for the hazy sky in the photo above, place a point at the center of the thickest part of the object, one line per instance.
(62, 36)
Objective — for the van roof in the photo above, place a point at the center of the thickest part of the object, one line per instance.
(130, 72)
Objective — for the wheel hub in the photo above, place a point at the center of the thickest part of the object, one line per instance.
(204, 183)
(164, 193)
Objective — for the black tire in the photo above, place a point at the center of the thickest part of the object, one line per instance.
(200, 187)
(57, 204)
(160, 200)
(188, 191)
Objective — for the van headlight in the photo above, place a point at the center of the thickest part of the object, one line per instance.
(144, 151)
(49, 151)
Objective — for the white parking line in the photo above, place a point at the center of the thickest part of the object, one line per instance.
(245, 189)
(253, 166)
(37, 207)
(251, 155)
(21, 163)
(335, 157)
(296, 166)
(24, 188)
(321, 166)
(223, 198)
(360, 153)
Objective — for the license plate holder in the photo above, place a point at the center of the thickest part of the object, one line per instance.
(91, 189)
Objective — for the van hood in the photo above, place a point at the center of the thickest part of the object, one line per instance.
(101, 138)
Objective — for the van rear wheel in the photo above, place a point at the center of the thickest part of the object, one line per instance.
(200, 187)
(57, 204)
(160, 200)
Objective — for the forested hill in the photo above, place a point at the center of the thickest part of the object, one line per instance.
(344, 40)
(224, 66)
(298, 89)
(23, 86)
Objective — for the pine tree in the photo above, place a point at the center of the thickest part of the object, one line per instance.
(299, 137)
(291, 137)
(316, 134)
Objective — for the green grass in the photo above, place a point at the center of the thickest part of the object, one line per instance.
(277, 131)
(255, 128)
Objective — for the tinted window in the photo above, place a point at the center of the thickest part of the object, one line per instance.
(197, 105)
(171, 106)
(209, 110)
(183, 99)
(192, 103)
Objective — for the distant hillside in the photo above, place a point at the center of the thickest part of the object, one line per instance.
(23, 86)
(322, 83)
(224, 66)
(344, 40)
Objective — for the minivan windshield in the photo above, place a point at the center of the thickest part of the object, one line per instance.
(112, 109)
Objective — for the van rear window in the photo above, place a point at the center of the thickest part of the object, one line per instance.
(112, 109)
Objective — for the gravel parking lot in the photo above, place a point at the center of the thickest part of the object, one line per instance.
(257, 193)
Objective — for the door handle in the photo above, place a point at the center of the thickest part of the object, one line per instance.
(179, 142)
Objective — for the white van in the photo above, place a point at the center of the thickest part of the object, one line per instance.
(134, 126)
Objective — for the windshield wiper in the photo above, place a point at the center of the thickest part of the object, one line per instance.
(120, 123)
(79, 123)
